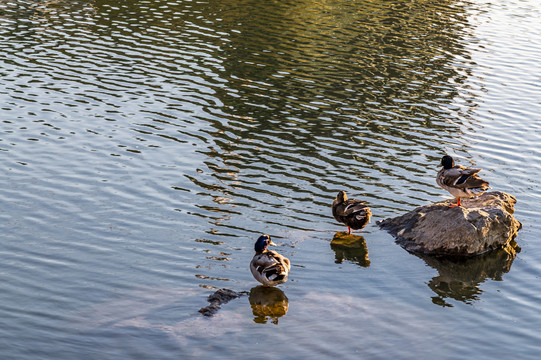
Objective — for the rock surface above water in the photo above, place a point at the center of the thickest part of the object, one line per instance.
(481, 224)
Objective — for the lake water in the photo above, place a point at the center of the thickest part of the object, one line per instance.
(145, 145)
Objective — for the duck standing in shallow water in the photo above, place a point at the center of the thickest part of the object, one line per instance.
(354, 213)
(267, 266)
(460, 181)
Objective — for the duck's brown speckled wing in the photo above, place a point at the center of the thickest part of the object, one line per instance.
(350, 207)
(353, 213)
(461, 178)
(270, 268)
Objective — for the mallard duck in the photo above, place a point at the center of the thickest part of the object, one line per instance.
(460, 181)
(353, 213)
(267, 266)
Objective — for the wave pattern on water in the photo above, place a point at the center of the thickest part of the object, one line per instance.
(149, 142)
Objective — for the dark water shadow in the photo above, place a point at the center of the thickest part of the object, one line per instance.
(459, 279)
(350, 247)
(268, 304)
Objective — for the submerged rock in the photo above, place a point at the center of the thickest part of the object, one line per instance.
(221, 296)
(481, 224)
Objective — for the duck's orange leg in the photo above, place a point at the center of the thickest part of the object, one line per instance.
(457, 203)
(349, 230)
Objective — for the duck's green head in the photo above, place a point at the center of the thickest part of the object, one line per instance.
(262, 243)
(447, 162)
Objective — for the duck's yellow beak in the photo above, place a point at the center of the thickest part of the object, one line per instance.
(273, 244)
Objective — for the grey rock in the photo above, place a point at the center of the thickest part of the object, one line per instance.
(217, 299)
(482, 224)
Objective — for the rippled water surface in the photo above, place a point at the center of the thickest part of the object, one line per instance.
(145, 145)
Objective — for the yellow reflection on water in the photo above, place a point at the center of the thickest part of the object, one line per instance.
(268, 304)
(350, 247)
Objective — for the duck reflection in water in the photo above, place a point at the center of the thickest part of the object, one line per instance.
(459, 279)
(268, 303)
(350, 247)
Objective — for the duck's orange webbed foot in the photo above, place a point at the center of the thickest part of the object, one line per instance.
(457, 203)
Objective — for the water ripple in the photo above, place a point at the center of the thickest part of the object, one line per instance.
(149, 143)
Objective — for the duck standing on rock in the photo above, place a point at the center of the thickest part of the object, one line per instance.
(267, 266)
(461, 182)
(351, 212)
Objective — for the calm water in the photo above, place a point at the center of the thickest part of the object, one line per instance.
(145, 145)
